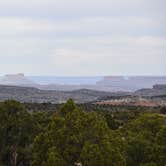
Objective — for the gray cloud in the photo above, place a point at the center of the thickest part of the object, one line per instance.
(108, 37)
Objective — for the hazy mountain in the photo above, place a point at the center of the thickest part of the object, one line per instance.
(132, 83)
(157, 90)
(109, 83)
(29, 94)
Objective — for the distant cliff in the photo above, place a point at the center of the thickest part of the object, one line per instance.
(157, 90)
(108, 84)
(160, 87)
(16, 79)
(133, 83)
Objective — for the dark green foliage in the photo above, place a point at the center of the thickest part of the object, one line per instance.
(103, 154)
(143, 145)
(66, 134)
(69, 106)
(111, 122)
(16, 134)
(73, 135)
(163, 110)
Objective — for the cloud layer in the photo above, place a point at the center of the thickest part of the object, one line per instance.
(69, 37)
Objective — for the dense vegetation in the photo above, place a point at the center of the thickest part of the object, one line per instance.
(70, 135)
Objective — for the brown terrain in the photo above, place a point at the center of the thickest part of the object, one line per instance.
(130, 102)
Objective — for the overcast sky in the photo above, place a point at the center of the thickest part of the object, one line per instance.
(83, 37)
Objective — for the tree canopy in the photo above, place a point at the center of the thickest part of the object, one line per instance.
(71, 136)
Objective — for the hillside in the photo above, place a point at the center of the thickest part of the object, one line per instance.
(28, 94)
(157, 90)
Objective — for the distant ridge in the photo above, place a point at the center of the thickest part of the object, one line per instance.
(157, 90)
(108, 83)
(131, 83)
(31, 94)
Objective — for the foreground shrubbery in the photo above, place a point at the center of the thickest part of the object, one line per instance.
(71, 135)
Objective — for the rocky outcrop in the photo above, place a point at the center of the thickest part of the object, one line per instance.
(157, 90)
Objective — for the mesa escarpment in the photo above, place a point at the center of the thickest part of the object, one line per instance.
(16, 79)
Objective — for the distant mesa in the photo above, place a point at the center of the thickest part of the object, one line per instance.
(160, 87)
(16, 79)
(108, 83)
(157, 90)
(14, 76)
(131, 83)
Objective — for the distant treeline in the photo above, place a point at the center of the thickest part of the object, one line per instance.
(85, 134)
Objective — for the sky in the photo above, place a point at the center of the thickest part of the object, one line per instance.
(83, 37)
